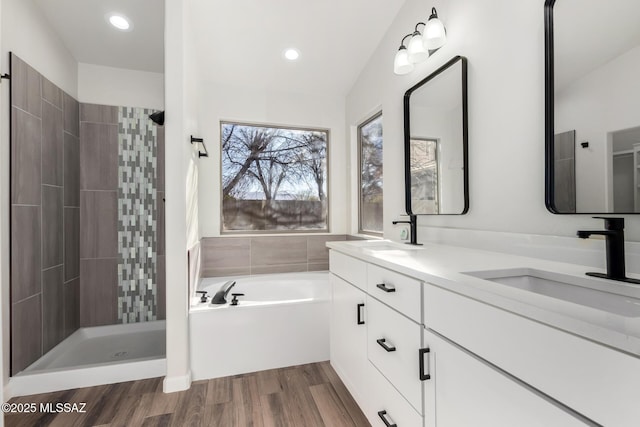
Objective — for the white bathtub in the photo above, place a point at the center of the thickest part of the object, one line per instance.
(283, 320)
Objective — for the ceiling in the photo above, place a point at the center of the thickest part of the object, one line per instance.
(240, 42)
(236, 42)
(83, 28)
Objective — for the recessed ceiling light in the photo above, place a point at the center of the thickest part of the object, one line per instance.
(120, 22)
(291, 54)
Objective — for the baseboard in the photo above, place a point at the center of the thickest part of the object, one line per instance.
(176, 383)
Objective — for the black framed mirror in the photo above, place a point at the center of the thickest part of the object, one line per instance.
(435, 142)
(592, 106)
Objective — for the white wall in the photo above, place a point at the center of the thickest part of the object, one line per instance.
(98, 84)
(181, 174)
(504, 43)
(601, 102)
(25, 32)
(222, 102)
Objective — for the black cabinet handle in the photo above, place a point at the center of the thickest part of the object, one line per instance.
(358, 309)
(421, 354)
(384, 287)
(383, 416)
(382, 342)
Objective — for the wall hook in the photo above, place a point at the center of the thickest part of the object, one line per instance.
(585, 144)
(204, 147)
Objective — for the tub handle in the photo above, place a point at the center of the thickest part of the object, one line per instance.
(203, 298)
(234, 300)
(383, 344)
(383, 415)
(359, 311)
(385, 288)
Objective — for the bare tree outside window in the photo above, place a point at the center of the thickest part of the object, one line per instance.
(424, 175)
(370, 147)
(273, 178)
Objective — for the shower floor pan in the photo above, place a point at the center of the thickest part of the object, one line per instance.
(97, 355)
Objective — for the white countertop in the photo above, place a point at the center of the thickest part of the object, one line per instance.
(444, 266)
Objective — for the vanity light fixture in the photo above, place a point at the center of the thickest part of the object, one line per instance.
(421, 45)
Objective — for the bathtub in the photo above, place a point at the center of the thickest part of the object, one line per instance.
(282, 320)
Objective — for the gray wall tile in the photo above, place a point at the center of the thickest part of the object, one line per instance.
(322, 266)
(98, 290)
(98, 224)
(26, 156)
(98, 156)
(71, 170)
(160, 159)
(71, 110)
(97, 113)
(26, 333)
(350, 237)
(25, 86)
(52, 308)
(273, 269)
(52, 145)
(226, 253)
(71, 243)
(161, 288)
(25, 252)
(71, 305)
(317, 251)
(223, 272)
(52, 226)
(267, 251)
(51, 92)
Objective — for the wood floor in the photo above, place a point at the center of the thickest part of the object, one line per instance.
(300, 396)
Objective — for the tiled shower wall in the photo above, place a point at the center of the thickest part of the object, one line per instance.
(230, 256)
(112, 235)
(65, 167)
(45, 217)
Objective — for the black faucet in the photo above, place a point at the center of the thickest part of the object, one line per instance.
(614, 233)
(221, 296)
(413, 224)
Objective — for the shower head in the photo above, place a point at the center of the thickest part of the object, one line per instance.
(157, 117)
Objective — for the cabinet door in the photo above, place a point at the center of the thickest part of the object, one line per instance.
(464, 390)
(349, 336)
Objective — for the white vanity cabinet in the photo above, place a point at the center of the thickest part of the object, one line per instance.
(374, 343)
(348, 343)
(464, 390)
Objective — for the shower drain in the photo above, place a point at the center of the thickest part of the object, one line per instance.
(119, 354)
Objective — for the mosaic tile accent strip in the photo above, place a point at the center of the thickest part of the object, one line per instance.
(137, 216)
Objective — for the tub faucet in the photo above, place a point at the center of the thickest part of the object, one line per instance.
(221, 296)
(614, 233)
(413, 225)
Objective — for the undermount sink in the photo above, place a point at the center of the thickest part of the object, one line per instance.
(577, 290)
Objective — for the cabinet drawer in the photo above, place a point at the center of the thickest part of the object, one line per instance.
(397, 356)
(350, 269)
(596, 381)
(384, 397)
(396, 290)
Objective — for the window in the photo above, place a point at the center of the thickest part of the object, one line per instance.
(370, 153)
(424, 175)
(273, 178)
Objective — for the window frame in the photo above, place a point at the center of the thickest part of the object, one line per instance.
(327, 131)
(359, 156)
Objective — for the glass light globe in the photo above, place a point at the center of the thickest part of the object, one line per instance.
(435, 35)
(401, 63)
(417, 51)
